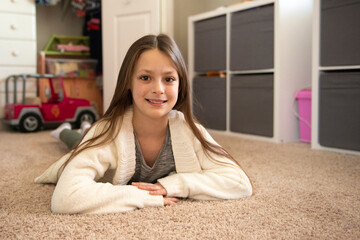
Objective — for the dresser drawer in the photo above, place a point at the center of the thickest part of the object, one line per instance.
(18, 6)
(19, 53)
(17, 26)
(6, 71)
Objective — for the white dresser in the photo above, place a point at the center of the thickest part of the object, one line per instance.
(17, 43)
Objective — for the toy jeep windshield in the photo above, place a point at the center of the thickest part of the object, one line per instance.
(29, 114)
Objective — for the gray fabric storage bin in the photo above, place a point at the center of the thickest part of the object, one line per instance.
(339, 109)
(209, 101)
(252, 107)
(340, 32)
(210, 44)
(252, 39)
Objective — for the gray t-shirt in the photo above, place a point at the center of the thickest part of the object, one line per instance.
(163, 165)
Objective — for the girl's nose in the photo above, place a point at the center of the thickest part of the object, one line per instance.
(158, 87)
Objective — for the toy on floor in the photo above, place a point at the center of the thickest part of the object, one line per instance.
(29, 114)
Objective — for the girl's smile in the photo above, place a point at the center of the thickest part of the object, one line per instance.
(156, 102)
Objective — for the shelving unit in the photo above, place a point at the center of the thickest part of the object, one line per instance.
(264, 49)
(336, 76)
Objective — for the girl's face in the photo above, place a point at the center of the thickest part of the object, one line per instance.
(155, 85)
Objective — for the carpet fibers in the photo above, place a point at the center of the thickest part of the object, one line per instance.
(299, 194)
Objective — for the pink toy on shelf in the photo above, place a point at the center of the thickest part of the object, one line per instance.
(72, 48)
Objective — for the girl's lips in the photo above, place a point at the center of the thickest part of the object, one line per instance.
(156, 101)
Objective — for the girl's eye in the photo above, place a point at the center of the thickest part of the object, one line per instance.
(169, 79)
(145, 78)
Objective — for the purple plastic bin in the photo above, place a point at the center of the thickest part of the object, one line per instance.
(304, 104)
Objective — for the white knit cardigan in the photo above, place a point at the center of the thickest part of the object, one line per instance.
(95, 180)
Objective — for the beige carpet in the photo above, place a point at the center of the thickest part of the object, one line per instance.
(299, 194)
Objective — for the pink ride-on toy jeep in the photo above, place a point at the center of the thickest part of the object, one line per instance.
(30, 114)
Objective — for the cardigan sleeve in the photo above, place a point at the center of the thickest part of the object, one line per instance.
(219, 179)
(78, 189)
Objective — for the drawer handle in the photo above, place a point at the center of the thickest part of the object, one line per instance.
(14, 1)
(13, 26)
(15, 53)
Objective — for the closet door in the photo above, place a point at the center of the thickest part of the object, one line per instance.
(123, 22)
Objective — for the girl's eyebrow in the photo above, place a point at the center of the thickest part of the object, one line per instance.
(150, 71)
(145, 70)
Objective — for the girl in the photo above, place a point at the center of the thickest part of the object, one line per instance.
(147, 150)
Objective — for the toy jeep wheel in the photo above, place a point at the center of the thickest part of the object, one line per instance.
(30, 123)
(85, 116)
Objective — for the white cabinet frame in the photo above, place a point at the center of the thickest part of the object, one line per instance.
(292, 60)
(316, 69)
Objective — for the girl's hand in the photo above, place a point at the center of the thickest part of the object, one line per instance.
(168, 201)
(156, 189)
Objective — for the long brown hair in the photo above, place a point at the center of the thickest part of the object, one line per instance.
(122, 98)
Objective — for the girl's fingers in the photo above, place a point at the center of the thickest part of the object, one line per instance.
(145, 186)
(158, 192)
(168, 201)
(154, 189)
